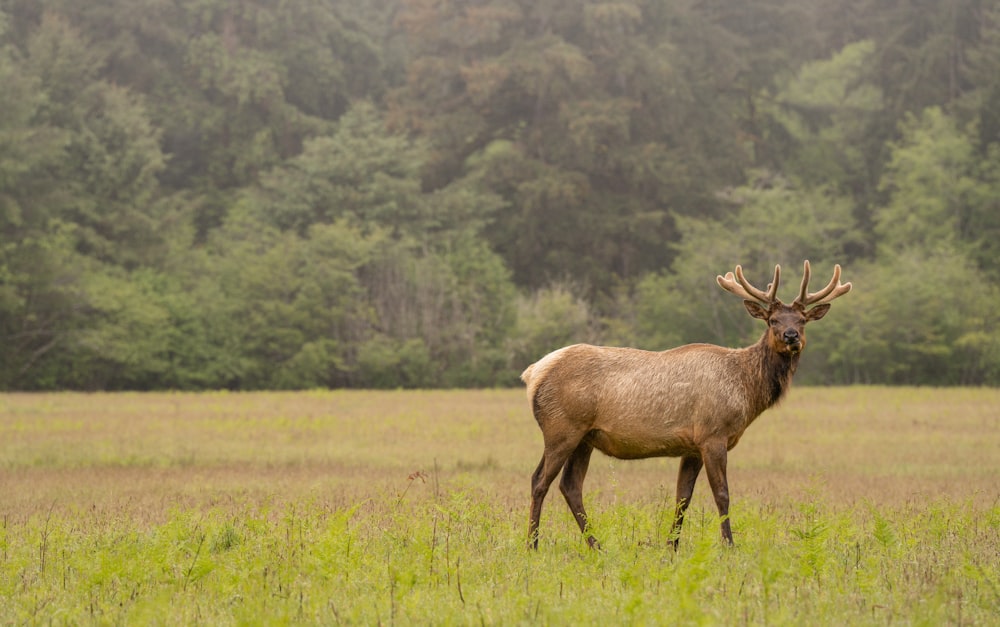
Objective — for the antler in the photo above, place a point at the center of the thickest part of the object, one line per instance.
(741, 287)
(834, 289)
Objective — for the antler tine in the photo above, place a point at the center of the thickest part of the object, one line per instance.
(805, 283)
(739, 285)
(834, 289)
(729, 284)
(766, 298)
(839, 291)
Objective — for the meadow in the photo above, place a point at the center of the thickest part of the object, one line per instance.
(861, 505)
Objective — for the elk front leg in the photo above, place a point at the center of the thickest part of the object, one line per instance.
(686, 477)
(714, 456)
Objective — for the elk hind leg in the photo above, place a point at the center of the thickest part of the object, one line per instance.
(571, 486)
(553, 460)
(536, 504)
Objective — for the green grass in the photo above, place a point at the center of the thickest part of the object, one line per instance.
(850, 506)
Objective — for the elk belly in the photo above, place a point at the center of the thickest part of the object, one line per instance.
(634, 446)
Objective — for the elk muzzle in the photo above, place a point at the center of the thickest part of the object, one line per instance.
(792, 338)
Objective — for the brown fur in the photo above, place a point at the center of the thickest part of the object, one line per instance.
(692, 402)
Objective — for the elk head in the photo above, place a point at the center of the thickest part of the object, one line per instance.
(785, 323)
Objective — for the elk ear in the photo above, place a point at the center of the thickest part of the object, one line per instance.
(817, 312)
(755, 310)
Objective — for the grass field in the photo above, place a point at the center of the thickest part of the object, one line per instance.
(850, 506)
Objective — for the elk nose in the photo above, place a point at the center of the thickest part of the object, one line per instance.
(791, 336)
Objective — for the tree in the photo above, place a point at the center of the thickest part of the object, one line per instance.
(111, 155)
(924, 317)
(982, 102)
(940, 196)
(79, 168)
(444, 313)
(576, 114)
(439, 298)
(233, 87)
(360, 172)
(289, 307)
(824, 122)
(927, 315)
(922, 51)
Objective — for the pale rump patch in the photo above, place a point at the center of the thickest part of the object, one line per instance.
(535, 373)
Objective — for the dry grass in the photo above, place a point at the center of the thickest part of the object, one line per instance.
(151, 453)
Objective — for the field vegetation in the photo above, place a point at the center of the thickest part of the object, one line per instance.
(860, 505)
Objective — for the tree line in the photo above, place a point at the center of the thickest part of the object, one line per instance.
(248, 194)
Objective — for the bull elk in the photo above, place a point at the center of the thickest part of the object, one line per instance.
(692, 402)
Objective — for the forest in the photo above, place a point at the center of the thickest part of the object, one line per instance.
(293, 194)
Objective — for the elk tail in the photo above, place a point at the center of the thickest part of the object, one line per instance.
(526, 375)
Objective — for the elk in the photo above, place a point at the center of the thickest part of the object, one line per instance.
(692, 402)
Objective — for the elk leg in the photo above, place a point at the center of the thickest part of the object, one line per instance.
(553, 460)
(686, 477)
(571, 487)
(714, 456)
(535, 515)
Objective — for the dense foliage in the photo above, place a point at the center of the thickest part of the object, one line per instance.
(283, 194)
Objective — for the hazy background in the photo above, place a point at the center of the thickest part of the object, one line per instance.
(257, 194)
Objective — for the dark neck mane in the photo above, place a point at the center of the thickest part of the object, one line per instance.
(773, 372)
